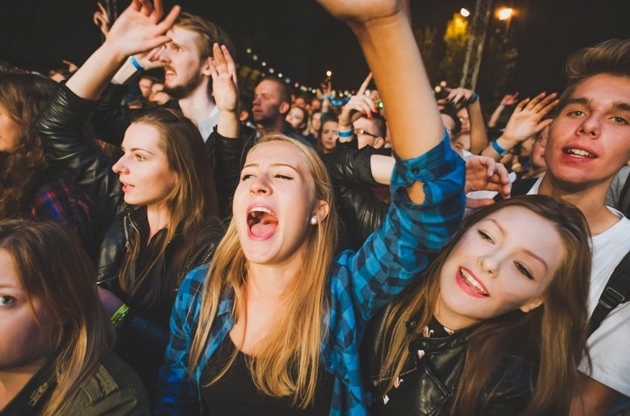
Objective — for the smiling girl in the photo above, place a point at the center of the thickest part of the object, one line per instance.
(497, 326)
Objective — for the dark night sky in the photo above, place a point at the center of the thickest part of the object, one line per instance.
(298, 38)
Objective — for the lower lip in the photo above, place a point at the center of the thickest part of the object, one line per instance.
(462, 284)
(126, 188)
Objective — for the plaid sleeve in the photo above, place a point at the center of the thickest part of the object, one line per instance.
(400, 248)
(177, 392)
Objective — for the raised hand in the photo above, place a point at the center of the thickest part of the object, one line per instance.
(485, 174)
(101, 19)
(527, 118)
(358, 105)
(224, 79)
(459, 95)
(509, 99)
(140, 27)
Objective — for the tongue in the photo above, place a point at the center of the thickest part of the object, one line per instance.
(264, 228)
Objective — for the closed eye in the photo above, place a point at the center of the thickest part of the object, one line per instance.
(246, 176)
(289, 178)
(485, 236)
(523, 270)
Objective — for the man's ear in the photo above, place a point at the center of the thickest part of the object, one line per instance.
(206, 67)
(284, 108)
(532, 304)
(378, 142)
(544, 135)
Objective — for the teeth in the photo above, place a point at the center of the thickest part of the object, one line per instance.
(261, 209)
(579, 152)
(470, 281)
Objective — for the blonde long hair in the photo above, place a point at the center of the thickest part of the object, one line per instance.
(288, 363)
(53, 268)
(553, 336)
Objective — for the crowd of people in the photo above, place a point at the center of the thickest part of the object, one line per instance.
(168, 248)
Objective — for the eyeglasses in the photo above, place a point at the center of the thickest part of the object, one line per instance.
(361, 131)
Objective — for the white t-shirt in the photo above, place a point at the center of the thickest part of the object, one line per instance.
(609, 345)
(206, 126)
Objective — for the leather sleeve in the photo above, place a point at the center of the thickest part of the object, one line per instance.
(227, 156)
(61, 126)
(111, 119)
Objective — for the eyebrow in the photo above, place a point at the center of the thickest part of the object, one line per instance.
(135, 149)
(526, 251)
(618, 105)
(278, 164)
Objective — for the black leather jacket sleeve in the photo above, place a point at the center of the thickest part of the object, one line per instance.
(227, 156)
(61, 126)
(360, 209)
(110, 119)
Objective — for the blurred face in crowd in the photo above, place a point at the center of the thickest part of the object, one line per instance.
(329, 135)
(316, 121)
(145, 85)
(462, 114)
(144, 171)
(296, 118)
(366, 131)
(10, 132)
(184, 70)
(267, 105)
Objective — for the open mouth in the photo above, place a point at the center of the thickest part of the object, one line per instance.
(471, 282)
(262, 222)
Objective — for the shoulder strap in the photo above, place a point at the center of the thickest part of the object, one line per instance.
(617, 291)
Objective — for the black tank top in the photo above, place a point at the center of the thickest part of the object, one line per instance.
(236, 394)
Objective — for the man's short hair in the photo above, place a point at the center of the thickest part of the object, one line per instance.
(285, 89)
(209, 34)
(609, 57)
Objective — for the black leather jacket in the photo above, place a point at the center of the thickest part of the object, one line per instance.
(360, 209)
(146, 330)
(430, 382)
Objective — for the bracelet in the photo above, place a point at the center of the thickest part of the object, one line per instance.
(473, 98)
(119, 315)
(324, 97)
(345, 134)
(135, 63)
(497, 147)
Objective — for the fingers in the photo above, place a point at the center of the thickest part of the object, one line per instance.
(478, 203)
(365, 84)
(170, 19)
(158, 9)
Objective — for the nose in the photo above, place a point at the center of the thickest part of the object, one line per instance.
(120, 166)
(164, 55)
(590, 126)
(260, 185)
(489, 264)
(256, 101)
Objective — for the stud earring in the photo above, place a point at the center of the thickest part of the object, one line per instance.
(313, 220)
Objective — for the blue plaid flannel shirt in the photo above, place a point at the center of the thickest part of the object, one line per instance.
(360, 283)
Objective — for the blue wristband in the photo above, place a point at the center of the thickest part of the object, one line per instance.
(346, 134)
(497, 147)
(473, 98)
(135, 63)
